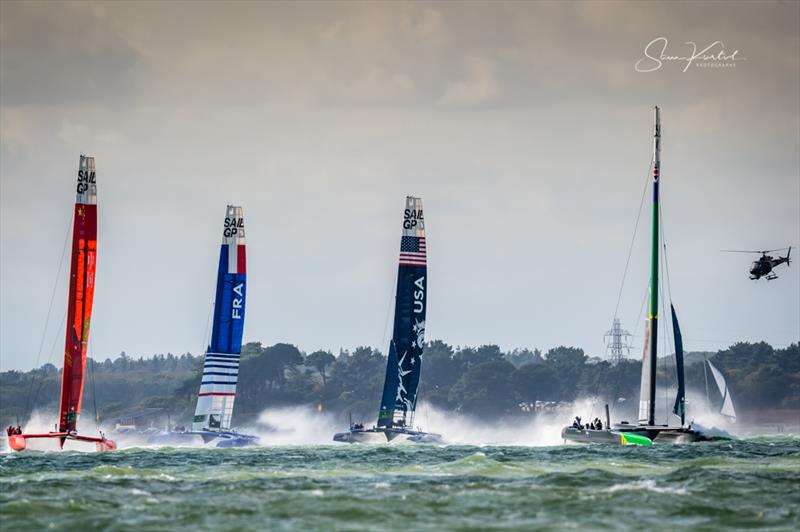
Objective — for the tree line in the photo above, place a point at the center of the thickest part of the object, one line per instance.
(484, 382)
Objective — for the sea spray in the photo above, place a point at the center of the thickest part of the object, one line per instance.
(295, 425)
(306, 426)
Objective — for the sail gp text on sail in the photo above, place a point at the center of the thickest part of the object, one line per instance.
(234, 231)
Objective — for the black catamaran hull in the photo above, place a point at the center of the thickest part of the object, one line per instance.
(385, 435)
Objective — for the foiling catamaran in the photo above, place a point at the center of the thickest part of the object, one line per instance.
(212, 418)
(79, 314)
(399, 400)
(646, 431)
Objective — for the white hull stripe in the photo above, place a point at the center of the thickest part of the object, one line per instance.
(220, 366)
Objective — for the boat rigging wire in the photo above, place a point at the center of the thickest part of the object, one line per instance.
(32, 403)
(389, 303)
(49, 312)
(637, 320)
(633, 237)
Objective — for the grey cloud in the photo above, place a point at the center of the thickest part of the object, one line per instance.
(56, 53)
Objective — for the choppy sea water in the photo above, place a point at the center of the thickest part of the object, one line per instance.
(741, 484)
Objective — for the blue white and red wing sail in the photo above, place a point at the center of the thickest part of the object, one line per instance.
(221, 368)
(405, 351)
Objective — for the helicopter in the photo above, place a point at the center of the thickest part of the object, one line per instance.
(764, 266)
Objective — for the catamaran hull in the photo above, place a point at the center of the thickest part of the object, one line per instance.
(203, 439)
(661, 434)
(643, 435)
(377, 435)
(59, 441)
(608, 437)
(361, 436)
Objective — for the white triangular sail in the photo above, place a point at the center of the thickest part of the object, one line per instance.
(727, 404)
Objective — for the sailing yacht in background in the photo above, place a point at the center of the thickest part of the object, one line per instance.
(212, 417)
(727, 408)
(404, 365)
(79, 314)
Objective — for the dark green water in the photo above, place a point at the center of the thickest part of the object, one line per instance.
(742, 484)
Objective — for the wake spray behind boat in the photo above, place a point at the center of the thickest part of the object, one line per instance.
(214, 411)
(404, 365)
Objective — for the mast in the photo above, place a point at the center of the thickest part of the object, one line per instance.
(405, 349)
(647, 394)
(80, 295)
(221, 366)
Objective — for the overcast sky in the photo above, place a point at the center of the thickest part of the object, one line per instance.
(525, 128)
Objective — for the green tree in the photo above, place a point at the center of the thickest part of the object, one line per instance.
(537, 382)
(321, 360)
(568, 364)
(486, 390)
(521, 357)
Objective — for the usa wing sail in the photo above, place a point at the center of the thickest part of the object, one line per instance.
(405, 350)
(81, 294)
(221, 367)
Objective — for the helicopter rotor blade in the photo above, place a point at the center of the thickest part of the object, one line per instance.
(762, 251)
(739, 251)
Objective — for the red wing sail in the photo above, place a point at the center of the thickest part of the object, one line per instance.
(81, 294)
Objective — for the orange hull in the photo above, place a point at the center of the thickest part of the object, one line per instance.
(57, 441)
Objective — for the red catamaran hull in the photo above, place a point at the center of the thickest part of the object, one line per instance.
(59, 441)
